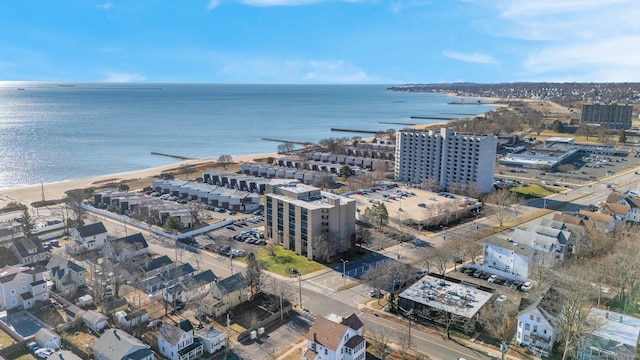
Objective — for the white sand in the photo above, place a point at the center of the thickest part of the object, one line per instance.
(29, 194)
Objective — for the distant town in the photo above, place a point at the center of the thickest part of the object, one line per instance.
(509, 235)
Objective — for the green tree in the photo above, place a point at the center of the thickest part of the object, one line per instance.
(253, 274)
(346, 171)
(622, 136)
(27, 222)
(557, 126)
(123, 187)
(377, 215)
(172, 222)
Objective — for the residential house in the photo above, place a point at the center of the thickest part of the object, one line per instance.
(22, 287)
(28, 251)
(334, 338)
(156, 266)
(193, 287)
(537, 323)
(46, 338)
(177, 342)
(127, 247)
(95, 321)
(230, 292)
(87, 238)
(168, 278)
(66, 275)
(623, 207)
(118, 345)
(600, 220)
(212, 339)
(73, 312)
(613, 336)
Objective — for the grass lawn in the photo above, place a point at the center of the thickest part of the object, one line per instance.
(21, 355)
(536, 191)
(285, 259)
(5, 339)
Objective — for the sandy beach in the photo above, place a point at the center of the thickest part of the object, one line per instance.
(52, 191)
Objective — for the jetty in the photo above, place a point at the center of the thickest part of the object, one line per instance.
(173, 156)
(355, 131)
(304, 143)
(432, 118)
(396, 123)
(468, 103)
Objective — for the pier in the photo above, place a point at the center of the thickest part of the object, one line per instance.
(356, 131)
(173, 156)
(287, 141)
(432, 118)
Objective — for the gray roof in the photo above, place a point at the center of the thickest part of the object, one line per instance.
(132, 243)
(93, 317)
(136, 314)
(117, 345)
(178, 271)
(171, 333)
(23, 246)
(157, 263)
(92, 229)
(232, 283)
(44, 335)
(509, 245)
(204, 278)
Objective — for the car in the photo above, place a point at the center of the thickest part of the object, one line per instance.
(499, 281)
(492, 278)
(526, 286)
(422, 272)
(477, 273)
(422, 205)
(232, 212)
(516, 284)
(501, 298)
(43, 353)
(154, 323)
(374, 293)
(230, 227)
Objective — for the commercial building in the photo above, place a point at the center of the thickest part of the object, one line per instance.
(612, 116)
(446, 157)
(309, 221)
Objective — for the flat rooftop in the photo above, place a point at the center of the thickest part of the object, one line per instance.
(460, 299)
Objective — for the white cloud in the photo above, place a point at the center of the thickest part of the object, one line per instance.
(106, 6)
(121, 77)
(580, 40)
(476, 57)
(297, 71)
(212, 4)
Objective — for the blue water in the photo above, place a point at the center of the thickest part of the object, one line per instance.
(50, 132)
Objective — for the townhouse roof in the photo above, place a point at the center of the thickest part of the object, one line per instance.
(569, 219)
(616, 208)
(91, 229)
(548, 304)
(596, 216)
(171, 333)
(178, 271)
(132, 243)
(93, 317)
(25, 245)
(614, 198)
(157, 263)
(509, 245)
(8, 273)
(116, 345)
(232, 283)
(58, 266)
(327, 333)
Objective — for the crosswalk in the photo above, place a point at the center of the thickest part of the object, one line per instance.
(319, 288)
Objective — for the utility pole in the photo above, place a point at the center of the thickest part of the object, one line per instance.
(226, 348)
(300, 289)
(409, 313)
(231, 263)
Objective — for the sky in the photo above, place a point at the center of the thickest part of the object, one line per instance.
(320, 41)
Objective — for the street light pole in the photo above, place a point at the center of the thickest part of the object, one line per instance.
(344, 264)
(503, 348)
(300, 289)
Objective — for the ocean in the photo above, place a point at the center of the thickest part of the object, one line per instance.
(59, 131)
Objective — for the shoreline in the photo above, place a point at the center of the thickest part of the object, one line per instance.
(56, 190)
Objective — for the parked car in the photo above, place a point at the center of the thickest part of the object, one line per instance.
(477, 273)
(492, 278)
(526, 286)
(230, 227)
(501, 298)
(374, 293)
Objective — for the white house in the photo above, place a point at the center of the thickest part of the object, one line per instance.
(614, 336)
(127, 247)
(212, 339)
(177, 342)
(507, 256)
(623, 207)
(118, 345)
(46, 338)
(537, 324)
(335, 338)
(22, 286)
(87, 238)
(95, 321)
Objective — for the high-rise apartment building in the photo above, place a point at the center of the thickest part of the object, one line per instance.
(446, 157)
(311, 222)
(613, 116)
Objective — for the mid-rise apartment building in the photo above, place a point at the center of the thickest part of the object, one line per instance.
(446, 157)
(612, 116)
(309, 221)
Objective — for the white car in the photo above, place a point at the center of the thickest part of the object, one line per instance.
(501, 298)
(526, 286)
(43, 353)
(492, 278)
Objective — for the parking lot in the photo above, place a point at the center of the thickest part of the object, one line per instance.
(244, 236)
(512, 290)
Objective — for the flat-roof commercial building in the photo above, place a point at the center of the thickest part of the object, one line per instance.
(612, 116)
(311, 222)
(446, 157)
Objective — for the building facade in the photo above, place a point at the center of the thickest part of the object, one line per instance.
(313, 223)
(612, 116)
(335, 338)
(22, 286)
(446, 157)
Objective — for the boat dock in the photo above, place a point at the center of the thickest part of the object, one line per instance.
(173, 156)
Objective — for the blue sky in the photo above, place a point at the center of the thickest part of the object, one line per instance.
(320, 41)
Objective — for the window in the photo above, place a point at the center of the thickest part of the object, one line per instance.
(530, 317)
(13, 292)
(527, 326)
(538, 319)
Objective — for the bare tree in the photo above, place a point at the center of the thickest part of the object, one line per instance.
(378, 277)
(197, 211)
(381, 343)
(495, 317)
(431, 185)
(502, 202)
(225, 160)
